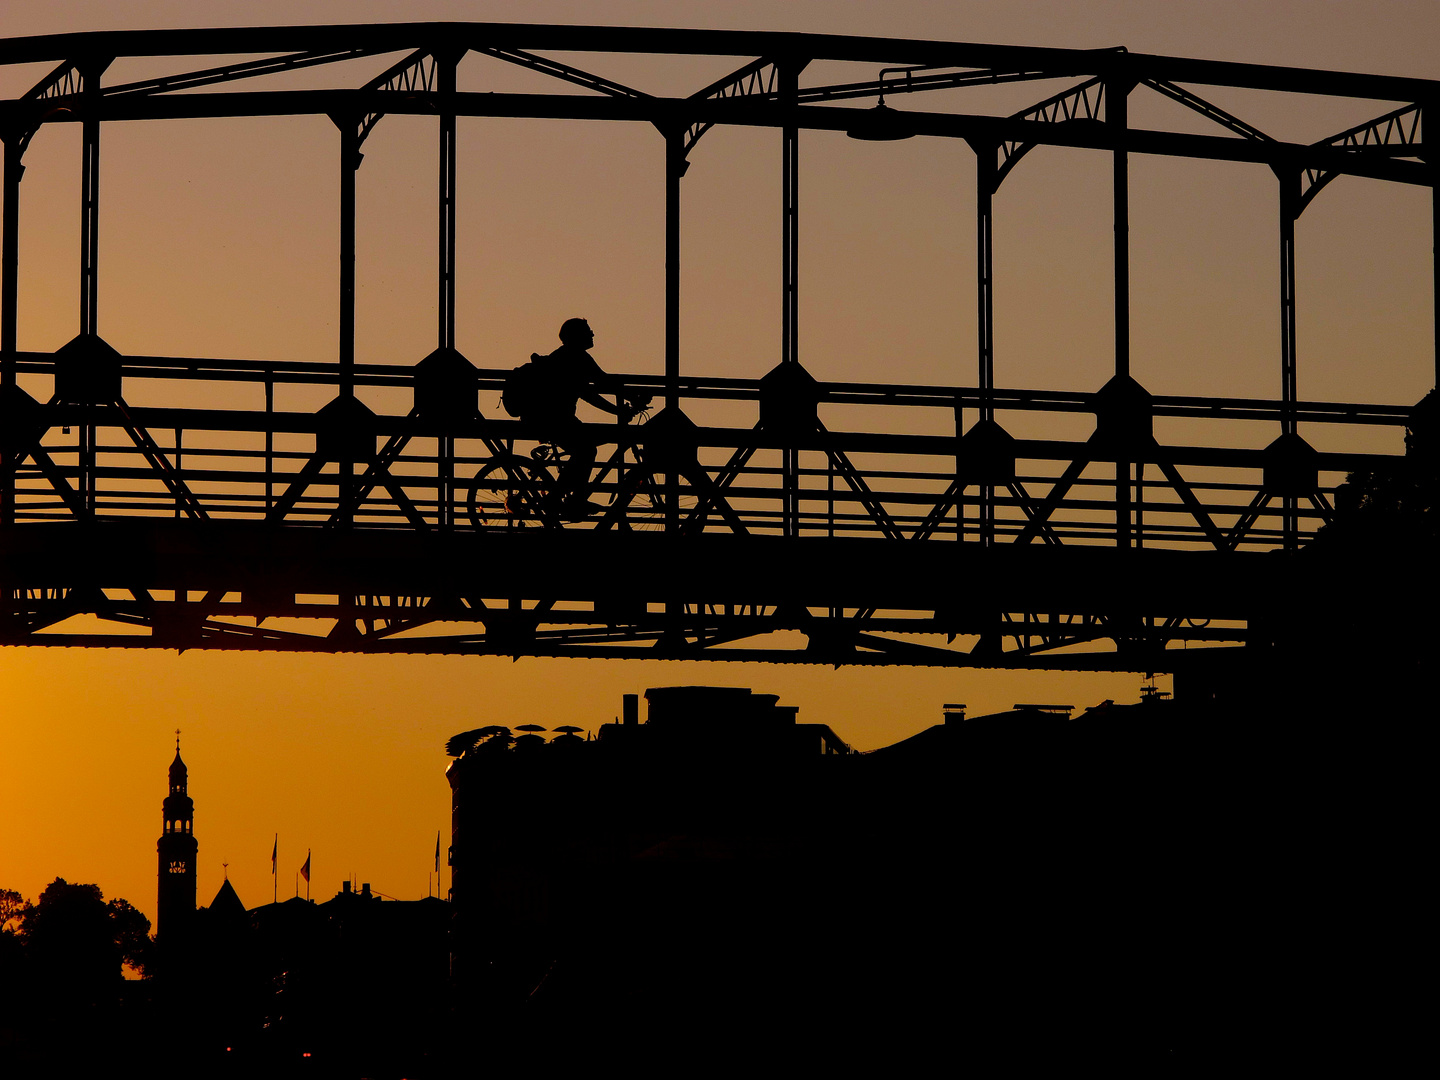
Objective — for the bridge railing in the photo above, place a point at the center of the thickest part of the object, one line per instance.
(246, 440)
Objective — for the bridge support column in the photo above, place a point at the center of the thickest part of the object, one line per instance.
(9, 296)
(1117, 110)
(90, 214)
(675, 166)
(269, 440)
(445, 299)
(89, 257)
(10, 258)
(349, 165)
(789, 277)
(985, 185)
(1289, 210)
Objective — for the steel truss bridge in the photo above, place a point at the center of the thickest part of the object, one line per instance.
(793, 538)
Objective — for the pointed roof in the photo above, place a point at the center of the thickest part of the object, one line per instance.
(177, 767)
(179, 775)
(227, 901)
(225, 924)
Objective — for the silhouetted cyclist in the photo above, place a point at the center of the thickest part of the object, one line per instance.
(571, 375)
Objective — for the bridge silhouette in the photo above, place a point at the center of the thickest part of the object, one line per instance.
(801, 532)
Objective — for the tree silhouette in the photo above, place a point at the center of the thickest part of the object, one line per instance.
(12, 910)
(76, 942)
(12, 954)
(132, 933)
(492, 736)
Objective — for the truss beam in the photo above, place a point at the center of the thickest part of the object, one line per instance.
(716, 542)
(390, 582)
(1060, 63)
(669, 112)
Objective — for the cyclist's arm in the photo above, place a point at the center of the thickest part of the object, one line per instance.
(600, 380)
(593, 397)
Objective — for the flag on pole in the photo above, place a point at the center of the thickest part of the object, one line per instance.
(275, 853)
(305, 870)
(437, 852)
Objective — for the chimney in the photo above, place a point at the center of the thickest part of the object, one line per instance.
(365, 891)
(631, 708)
(345, 888)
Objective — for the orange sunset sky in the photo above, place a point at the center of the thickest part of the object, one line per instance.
(218, 238)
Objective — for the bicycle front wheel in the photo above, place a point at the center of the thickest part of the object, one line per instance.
(645, 502)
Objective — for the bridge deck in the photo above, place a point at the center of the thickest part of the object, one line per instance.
(245, 528)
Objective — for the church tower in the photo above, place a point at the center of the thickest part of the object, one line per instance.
(177, 847)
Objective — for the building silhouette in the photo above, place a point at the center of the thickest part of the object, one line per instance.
(178, 849)
(1036, 885)
(674, 872)
(1042, 883)
(999, 888)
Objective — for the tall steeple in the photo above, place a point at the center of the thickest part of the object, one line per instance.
(177, 848)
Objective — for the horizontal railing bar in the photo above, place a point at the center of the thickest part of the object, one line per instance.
(194, 473)
(734, 492)
(709, 437)
(945, 396)
(809, 494)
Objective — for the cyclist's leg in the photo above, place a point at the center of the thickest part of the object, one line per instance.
(574, 483)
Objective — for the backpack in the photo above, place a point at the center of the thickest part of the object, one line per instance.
(524, 389)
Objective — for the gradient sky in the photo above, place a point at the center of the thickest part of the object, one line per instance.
(218, 239)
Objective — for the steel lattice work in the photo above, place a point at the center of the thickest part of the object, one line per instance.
(793, 539)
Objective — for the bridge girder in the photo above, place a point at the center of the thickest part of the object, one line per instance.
(840, 545)
(230, 585)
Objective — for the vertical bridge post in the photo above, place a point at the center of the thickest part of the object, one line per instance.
(349, 165)
(1117, 90)
(90, 201)
(10, 255)
(445, 273)
(445, 301)
(675, 166)
(789, 276)
(90, 71)
(9, 296)
(1289, 211)
(985, 185)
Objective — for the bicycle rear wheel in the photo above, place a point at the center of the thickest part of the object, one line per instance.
(508, 493)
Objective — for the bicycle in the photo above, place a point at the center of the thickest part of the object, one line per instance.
(519, 491)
